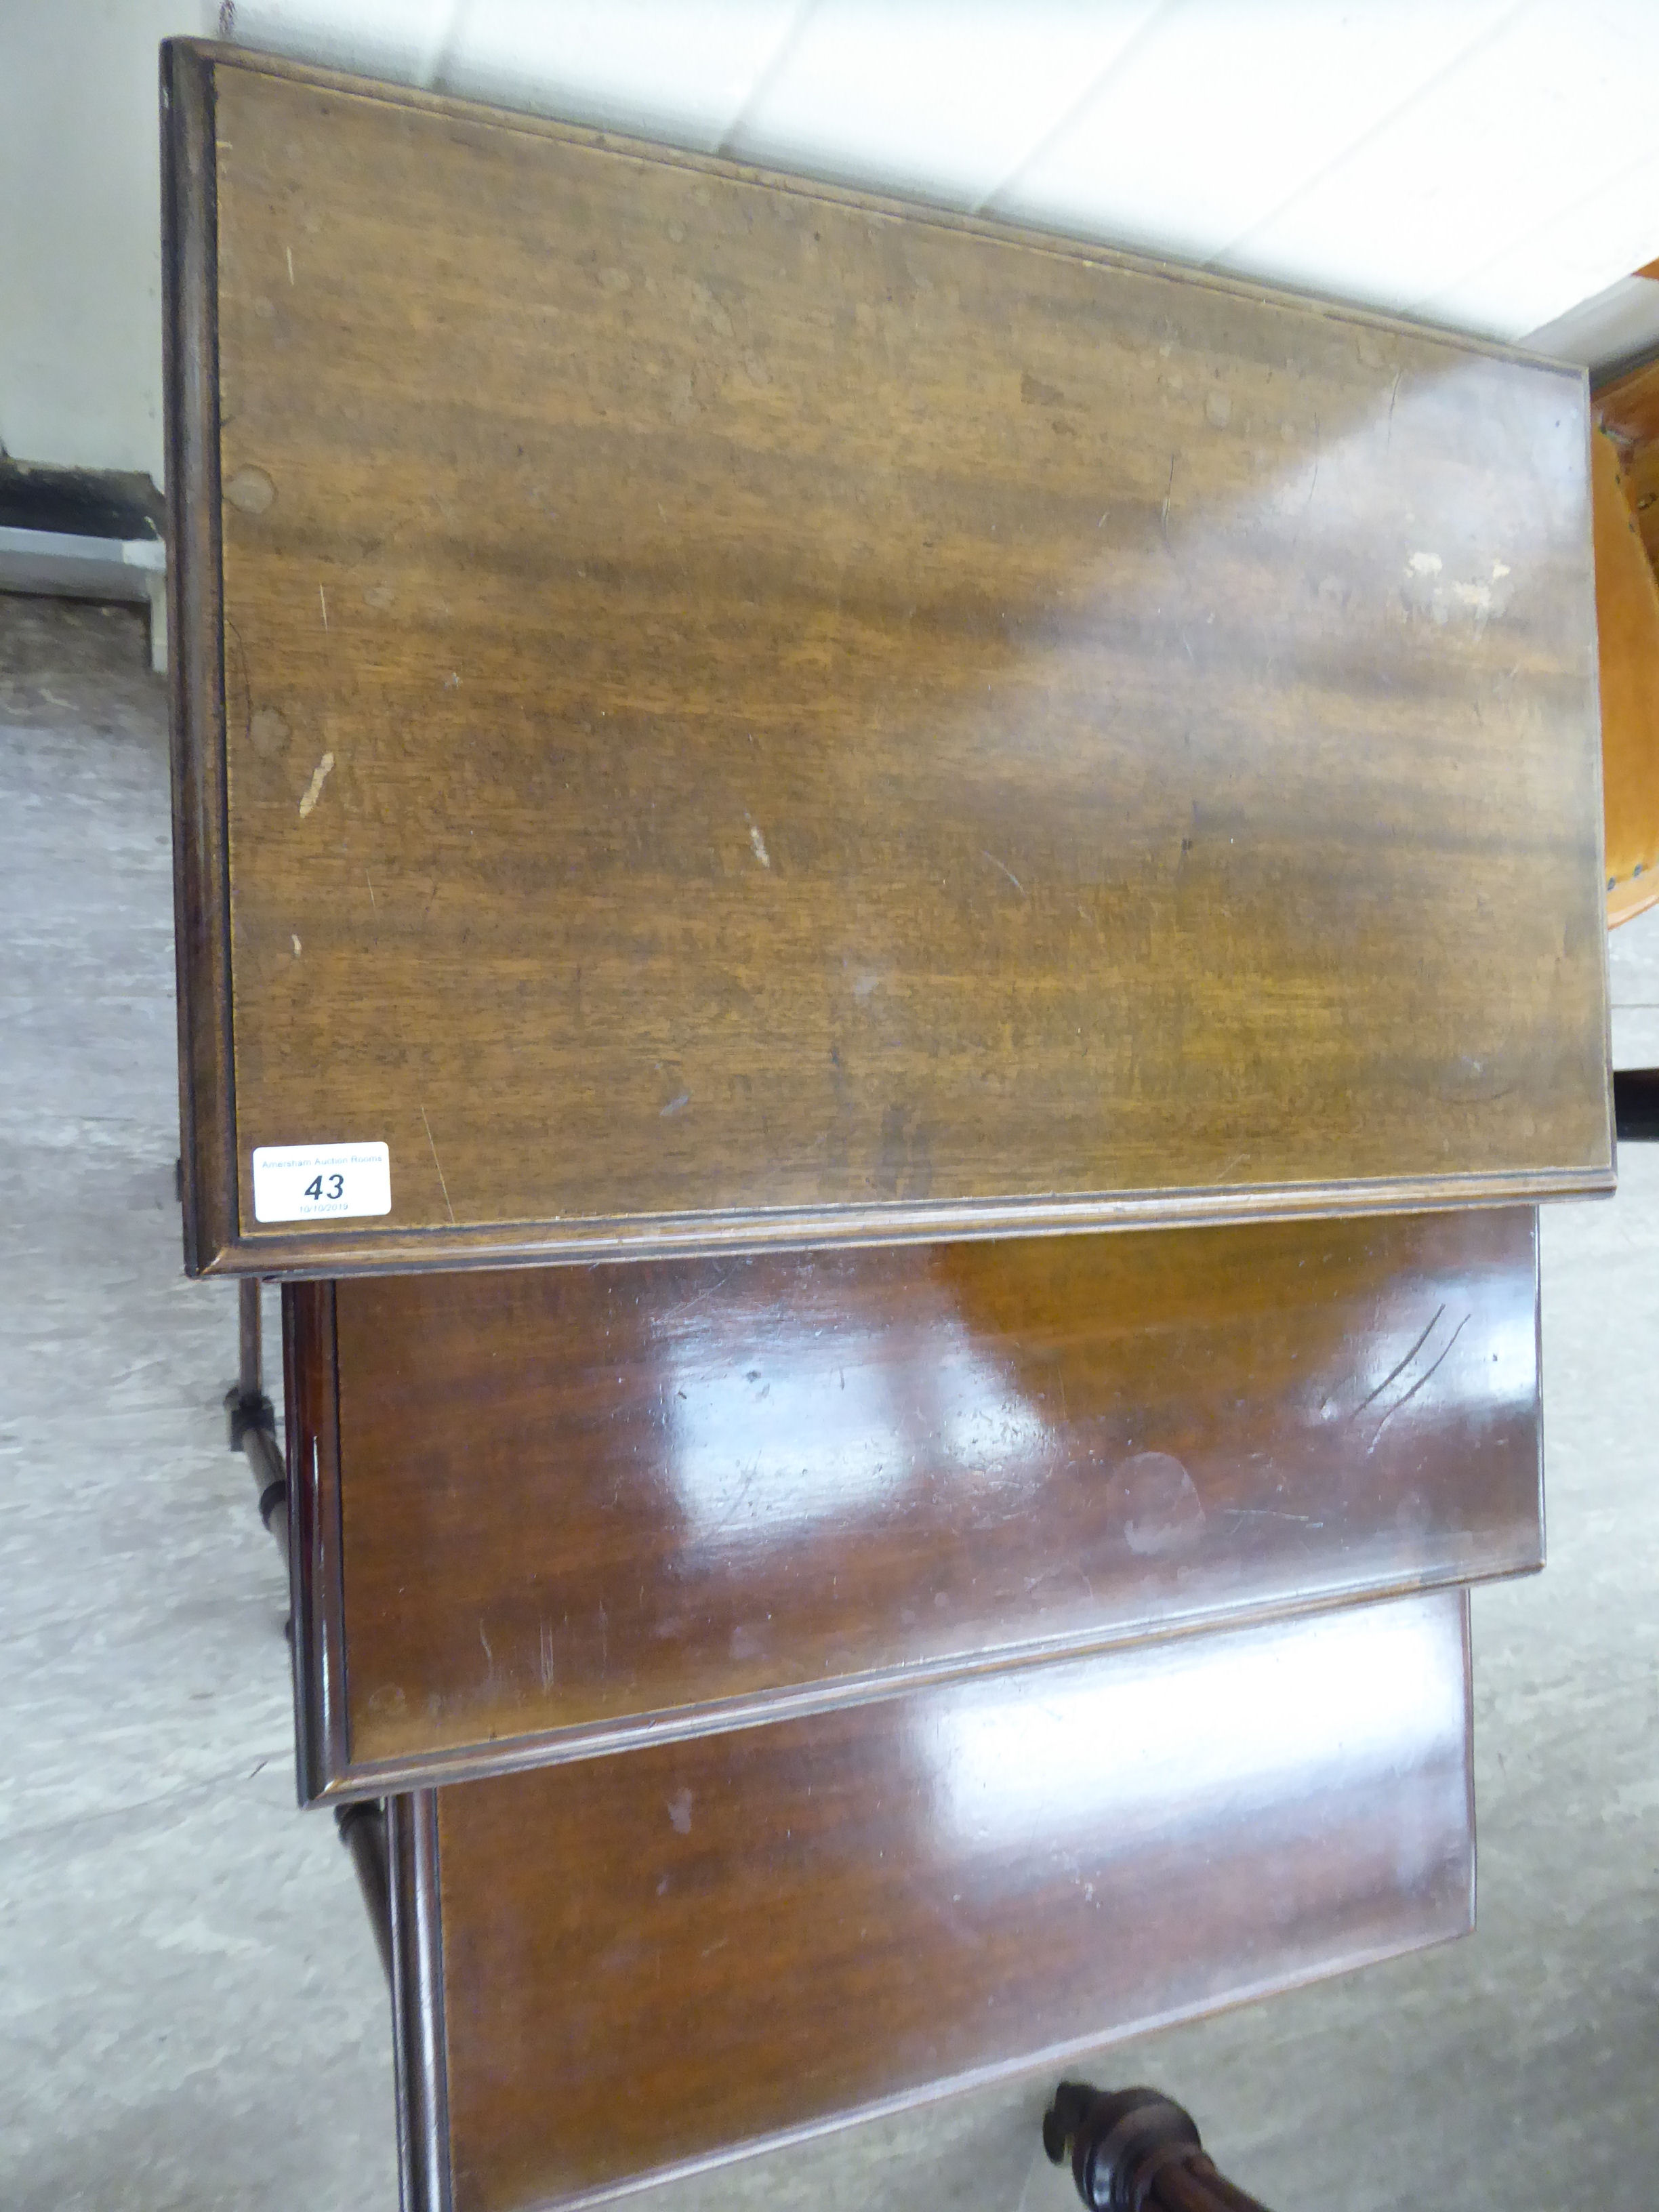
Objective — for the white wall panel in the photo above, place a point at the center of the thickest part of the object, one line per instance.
(1532, 118)
(938, 98)
(79, 229)
(1572, 256)
(1617, 325)
(1222, 113)
(402, 40)
(681, 72)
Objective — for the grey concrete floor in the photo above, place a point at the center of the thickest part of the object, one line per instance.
(191, 2013)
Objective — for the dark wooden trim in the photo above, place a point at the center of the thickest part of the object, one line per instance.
(365, 1250)
(195, 652)
(418, 2003)
(311, 1372)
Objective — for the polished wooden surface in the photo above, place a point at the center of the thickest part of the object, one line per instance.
(546, 1509)
(1626, 404)
(752, 714)
(1627, 625)
(638, 1963)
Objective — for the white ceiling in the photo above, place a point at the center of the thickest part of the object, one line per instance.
(1480, 163)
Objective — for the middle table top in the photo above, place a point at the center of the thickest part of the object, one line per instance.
(544, 1513)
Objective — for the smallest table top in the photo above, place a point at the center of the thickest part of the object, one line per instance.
(644, 1965)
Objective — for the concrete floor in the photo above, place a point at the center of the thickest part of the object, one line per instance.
(191, 2013)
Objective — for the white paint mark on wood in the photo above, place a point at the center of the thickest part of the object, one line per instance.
(758, 844)
(314, 790)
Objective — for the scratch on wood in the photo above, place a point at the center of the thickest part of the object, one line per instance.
(1421, 1383)
(288, 250)
(323, 600)
(437, 1163)
(1399, 1370)
(1009, 872)
(1168, 489)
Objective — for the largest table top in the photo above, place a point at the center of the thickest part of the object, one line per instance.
(714, 711)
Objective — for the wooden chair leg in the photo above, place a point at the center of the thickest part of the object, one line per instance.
(1135, 2150)
(362, 1830)
(253, 1419)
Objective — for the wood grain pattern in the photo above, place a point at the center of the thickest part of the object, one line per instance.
(563, 1508)
(1626, 405)
(648, 1962)
(1627, 626)
(755, 714)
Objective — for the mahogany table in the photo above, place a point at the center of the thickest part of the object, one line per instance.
(890, 924)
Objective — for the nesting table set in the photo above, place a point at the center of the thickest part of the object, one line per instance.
(889, 924)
